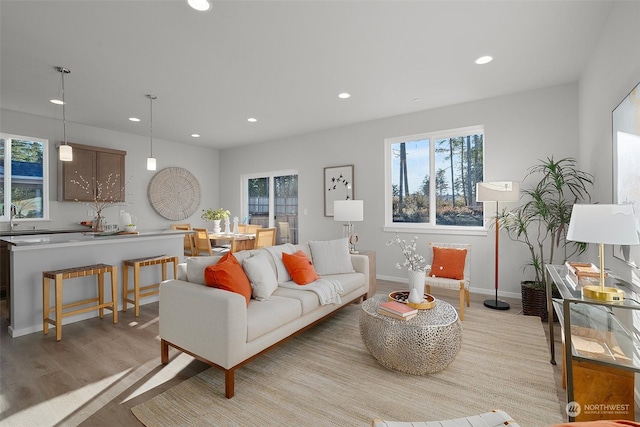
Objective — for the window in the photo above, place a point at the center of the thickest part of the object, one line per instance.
(430, 180)
(271, 200)
(23, 177)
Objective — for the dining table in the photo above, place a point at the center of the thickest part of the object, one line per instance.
(238, 242)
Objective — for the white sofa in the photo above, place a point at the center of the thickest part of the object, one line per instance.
(221, 329)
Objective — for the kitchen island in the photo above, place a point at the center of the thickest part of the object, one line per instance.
(30, 255)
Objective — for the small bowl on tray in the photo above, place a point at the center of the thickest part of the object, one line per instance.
(403, 297)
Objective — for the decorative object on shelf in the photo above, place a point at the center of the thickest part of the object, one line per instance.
(130, 228)
(235, 225)
(102, 193)
(338, 185)
(174, 193)
(603, 224)
(349, 210)
(127, 219)
(227, 226)
(151, 161)
(216, 216)
(499, 191)
(626, 174)
(416, 264)
(544, 217)
(65, 152)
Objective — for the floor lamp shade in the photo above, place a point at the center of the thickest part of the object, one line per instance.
(603, 224)
(497, 191)
(349, 211)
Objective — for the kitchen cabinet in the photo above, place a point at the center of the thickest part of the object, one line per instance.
(94, 171)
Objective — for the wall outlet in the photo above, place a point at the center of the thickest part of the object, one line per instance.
(90, 213)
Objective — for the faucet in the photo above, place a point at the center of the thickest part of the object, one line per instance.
(12, 214)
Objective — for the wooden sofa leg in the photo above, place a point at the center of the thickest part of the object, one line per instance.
(164, 352)
(229, 380)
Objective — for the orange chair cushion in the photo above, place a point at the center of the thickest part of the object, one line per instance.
(228, 274)
(300, 267)
(448, 263)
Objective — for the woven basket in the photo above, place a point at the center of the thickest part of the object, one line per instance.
(534, 302)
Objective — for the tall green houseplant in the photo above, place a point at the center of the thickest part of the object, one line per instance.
(541, 222)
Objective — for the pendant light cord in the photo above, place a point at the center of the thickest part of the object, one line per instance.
(64, 115)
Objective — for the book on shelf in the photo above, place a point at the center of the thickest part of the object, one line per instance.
(397, 308)
(396, 316)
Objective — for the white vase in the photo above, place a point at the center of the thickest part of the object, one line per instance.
(416, 281)
(216, 226)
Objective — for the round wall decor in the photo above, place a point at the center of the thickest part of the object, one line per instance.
(174, 193)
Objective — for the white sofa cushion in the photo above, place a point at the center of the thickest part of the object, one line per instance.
(261, 275)
(196, 266)
(331, 256)
(276, 257)
(264, 317)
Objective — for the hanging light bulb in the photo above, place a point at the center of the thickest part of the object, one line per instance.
(151, 161)
(65, 153)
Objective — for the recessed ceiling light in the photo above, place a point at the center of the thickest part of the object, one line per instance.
(484, 60)
(252, 120)
(344, 95)
(134, 119)
(56, 101)
(195, 135)
(200, 5)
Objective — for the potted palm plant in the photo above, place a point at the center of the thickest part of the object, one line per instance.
(541, 223)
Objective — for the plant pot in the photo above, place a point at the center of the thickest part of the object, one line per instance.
(534, 301)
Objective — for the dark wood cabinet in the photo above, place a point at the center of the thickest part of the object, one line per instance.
(93, 171)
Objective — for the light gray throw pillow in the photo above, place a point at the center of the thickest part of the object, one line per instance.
(261, 275)
(331, 256)
(196, 266)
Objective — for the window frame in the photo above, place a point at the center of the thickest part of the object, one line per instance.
(431, 226)
(8, 175)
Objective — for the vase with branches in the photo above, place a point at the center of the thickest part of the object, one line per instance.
(102, 195)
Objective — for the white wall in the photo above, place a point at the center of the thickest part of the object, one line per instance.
(613, 70)
(201, 162)
(519, 129)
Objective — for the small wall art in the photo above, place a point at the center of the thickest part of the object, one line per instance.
(338, 185)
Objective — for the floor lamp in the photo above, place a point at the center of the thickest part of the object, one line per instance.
(497, 191)
(603, 224)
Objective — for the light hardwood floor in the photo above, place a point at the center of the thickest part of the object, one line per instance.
(100, 370)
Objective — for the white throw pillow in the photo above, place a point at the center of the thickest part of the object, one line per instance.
(196, 266)
(261, 275)
(331, 256)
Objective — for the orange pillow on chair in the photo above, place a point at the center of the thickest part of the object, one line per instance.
(448, 263)
(228, 274)
(300, 267)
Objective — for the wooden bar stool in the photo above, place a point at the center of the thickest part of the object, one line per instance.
(68, 273)
(148, 290)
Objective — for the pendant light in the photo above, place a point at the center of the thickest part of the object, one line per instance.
(65, 153)
(151, 161)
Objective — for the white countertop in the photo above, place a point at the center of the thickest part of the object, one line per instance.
(66, 239)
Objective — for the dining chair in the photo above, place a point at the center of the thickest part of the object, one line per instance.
(202, 242)
(265, 237)
(248, 228)
(461, 283)
(189, 241)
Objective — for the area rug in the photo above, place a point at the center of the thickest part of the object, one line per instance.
(326, 377)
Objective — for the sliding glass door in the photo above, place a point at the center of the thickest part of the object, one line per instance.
(271, 200)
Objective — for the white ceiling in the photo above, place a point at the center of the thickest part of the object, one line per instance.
(282, 62)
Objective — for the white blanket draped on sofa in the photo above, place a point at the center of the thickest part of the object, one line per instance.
(328, 290)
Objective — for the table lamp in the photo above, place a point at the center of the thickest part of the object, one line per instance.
(603, 224)
(349, 210)
(497, 191)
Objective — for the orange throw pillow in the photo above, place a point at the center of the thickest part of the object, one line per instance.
(448, 263)
(300, 267)
(228, 274)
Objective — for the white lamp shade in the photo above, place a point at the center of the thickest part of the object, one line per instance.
(608, 224)
(200, 5)
(348, 210)
(65, 153)
(151, 163)
(497, 191)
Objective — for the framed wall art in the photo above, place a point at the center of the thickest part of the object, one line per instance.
(338, 185)
(626, 173)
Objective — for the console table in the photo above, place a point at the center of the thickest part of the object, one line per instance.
(600, 354)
